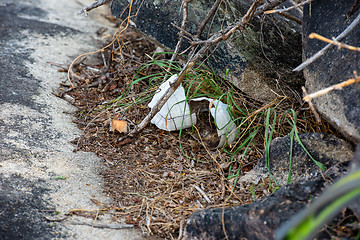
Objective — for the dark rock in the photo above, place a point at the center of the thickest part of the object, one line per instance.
(324, 148)
(260, 219)
(329, 18)
(257, 220)
(265, 51)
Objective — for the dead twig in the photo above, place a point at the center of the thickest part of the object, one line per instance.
(127, 20)
(338, 86)
(71, 72)
(317, 117)
(290, 17)
(92, 6)
(229, 30)
(267, 6)
(207, 18)
(182, 28)
(185, 32)
(226, 33)
(320, 53)
(289, 8)
(102, 225)
(333, 42)
(202, 194)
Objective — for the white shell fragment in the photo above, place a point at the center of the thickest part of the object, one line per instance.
(225, 126)
(175, 114)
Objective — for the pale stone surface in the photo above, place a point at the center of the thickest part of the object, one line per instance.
(36, 127)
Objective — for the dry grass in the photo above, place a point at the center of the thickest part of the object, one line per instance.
(157, 178)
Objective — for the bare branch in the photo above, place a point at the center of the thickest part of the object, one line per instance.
(317, 55)
(289, 8)
(317, 117)
(182, 28)
(333, 42)
(291, 17)
(93, 6)
(268, 6)
(229, 30)
(338, 86)
(207, 18)
(185, 32)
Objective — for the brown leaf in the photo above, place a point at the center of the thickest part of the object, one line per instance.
(119, 125)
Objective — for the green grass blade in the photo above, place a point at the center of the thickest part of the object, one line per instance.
(268, 138)
(292, 133)
(319, 164)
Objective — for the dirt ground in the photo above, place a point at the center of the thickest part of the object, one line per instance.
(156, 178)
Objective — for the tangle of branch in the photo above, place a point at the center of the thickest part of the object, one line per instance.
(254, 11)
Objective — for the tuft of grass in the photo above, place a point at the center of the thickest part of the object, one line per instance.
(257, 123)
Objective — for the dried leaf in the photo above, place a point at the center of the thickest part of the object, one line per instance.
(119, 125)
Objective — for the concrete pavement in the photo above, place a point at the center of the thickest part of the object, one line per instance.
(36, 127)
